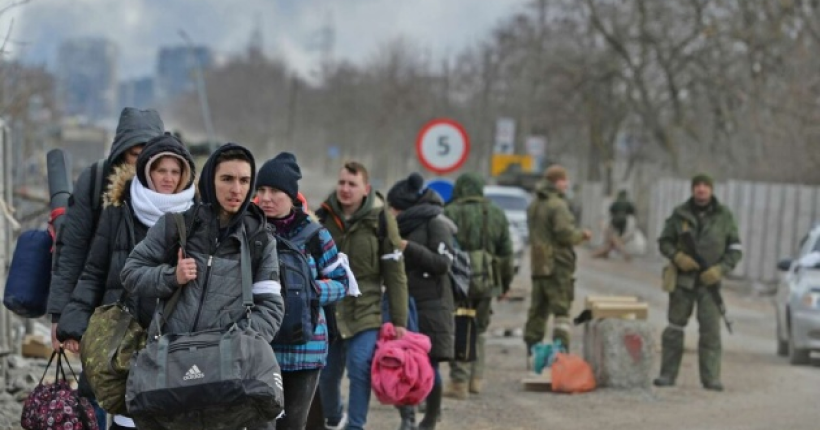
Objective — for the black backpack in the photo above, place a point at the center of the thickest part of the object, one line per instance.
(298, 288)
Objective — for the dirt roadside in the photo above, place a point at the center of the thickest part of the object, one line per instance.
(762, 390)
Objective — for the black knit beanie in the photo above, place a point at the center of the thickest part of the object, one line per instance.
(406, 192)
(281, 173)
(703, 178)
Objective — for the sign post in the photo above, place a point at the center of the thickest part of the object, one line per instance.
(442, 146)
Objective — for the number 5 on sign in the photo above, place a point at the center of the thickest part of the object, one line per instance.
(442, 146)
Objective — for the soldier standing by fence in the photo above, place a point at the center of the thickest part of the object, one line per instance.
(701, 241)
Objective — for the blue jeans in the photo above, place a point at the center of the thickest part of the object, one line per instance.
(356, 354)
(99, 412)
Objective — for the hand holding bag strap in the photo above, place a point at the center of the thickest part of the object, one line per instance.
(179, 220)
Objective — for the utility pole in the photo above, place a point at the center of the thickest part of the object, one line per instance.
(200, 87)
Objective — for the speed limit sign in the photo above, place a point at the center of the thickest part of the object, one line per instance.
(442, 146)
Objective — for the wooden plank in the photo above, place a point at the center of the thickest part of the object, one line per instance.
(538, 383)
(771, 244)
(638, 311)
(590, 300)
(757, 231)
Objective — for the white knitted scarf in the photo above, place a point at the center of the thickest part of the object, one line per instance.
(149, 205)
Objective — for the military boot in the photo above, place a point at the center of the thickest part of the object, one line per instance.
(408, 417)
(664, 381)
(456, 390)
(713, 386)
(475, 385)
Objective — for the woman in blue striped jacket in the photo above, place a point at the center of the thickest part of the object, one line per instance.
(277, 190)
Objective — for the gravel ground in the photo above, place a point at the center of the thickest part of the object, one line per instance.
(762, 390)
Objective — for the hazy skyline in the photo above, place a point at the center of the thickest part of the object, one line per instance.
(289, 27)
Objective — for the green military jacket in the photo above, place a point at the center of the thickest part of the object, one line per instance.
(375, 260)
(467, 210)
(552, 232)
(715, 236)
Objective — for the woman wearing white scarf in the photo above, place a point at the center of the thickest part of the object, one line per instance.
(161, 182)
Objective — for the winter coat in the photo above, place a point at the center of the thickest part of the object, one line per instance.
(118, 232)
(214, 299)
(427, 260)
(467, 210)
(401, 373)
(332, 287)
(715, 235)
(375, 260)
(74, 238)
(553, 233)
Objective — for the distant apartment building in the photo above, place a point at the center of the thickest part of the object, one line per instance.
(176, 70)
(138, 93)
(87, 78)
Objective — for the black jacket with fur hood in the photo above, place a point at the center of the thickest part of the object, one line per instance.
(119, 230)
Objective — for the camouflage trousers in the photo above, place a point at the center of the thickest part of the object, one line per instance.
(550, 295)
(465, 372)
(682, 303)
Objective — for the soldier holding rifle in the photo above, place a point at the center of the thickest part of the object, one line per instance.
(701, 241)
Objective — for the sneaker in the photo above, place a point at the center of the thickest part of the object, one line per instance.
(340, 425)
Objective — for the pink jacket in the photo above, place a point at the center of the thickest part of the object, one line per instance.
(401, 373)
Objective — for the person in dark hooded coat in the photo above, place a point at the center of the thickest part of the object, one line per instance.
(427, 243)
(135, 128)
(209, 269)
(163, 181)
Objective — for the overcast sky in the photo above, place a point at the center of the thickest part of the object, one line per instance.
(140, 27)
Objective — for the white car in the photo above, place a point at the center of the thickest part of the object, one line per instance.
(798, 302)
(514, 201)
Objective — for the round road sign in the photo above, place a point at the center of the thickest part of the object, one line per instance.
(442, 146)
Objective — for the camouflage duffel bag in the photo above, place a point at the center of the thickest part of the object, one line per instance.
(113, 336)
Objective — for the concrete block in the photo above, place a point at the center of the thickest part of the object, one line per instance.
(620, 352)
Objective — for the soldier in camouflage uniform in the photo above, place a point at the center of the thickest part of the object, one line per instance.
(552, 237)
(718, 249)
(468, 210)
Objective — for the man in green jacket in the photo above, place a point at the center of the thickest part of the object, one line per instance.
(483, 230)
(701, 241)
(552, 237)
(363, 230)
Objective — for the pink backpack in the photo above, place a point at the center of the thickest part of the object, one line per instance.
(401, 374)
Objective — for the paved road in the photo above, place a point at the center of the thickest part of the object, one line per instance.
(763, 390)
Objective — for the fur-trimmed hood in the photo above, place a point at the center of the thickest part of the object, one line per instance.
(119, 185)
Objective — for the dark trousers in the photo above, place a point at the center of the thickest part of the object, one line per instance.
(299, 389)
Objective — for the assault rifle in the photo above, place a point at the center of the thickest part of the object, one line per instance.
(689, 242)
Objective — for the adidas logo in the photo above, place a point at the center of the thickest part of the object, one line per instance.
(193, 373)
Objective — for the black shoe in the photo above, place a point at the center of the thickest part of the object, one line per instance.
(714, 386)
(664, 381)
(408, 417)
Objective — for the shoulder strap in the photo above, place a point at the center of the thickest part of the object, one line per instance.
(306, 234)
(182, 230)
(97, 188)
(246, 272)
